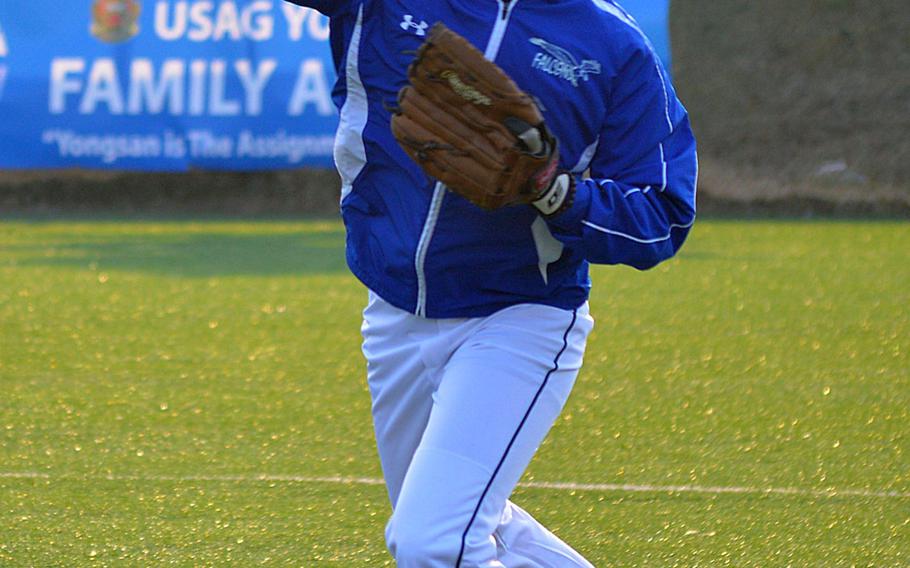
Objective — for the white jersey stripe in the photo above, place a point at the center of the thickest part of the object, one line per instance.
(663, 84)
(350, 152)
(585, 160)
(617, 12)
(4, 50)
(639, 239)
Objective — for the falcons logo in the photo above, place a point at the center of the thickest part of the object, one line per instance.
(560, 63)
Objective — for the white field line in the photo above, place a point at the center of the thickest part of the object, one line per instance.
(557, 486)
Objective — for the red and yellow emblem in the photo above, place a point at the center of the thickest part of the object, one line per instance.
(115, 20)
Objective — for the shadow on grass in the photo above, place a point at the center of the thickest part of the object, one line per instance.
(195, 255)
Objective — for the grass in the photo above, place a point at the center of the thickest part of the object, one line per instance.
(151, 371)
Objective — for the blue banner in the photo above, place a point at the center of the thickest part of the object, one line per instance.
(169, 85)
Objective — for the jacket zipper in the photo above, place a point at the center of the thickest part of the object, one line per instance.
(429, 225)
(505, 9)
(499, 29)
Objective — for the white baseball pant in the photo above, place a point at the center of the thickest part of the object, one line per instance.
(459, 408)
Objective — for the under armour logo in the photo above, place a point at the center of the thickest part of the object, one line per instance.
(409, 24)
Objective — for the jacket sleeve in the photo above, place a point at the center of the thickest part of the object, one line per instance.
(330, 8)
(639, 203)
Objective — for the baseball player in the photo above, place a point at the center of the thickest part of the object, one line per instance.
(485, 161)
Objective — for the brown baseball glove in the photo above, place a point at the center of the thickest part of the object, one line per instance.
(467, 124)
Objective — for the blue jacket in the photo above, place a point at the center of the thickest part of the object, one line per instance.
(603, 92)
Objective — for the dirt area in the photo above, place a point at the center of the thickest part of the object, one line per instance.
(278, 193)
(802, 105)
(800, 108)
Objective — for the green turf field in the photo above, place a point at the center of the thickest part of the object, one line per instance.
(191, 394)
